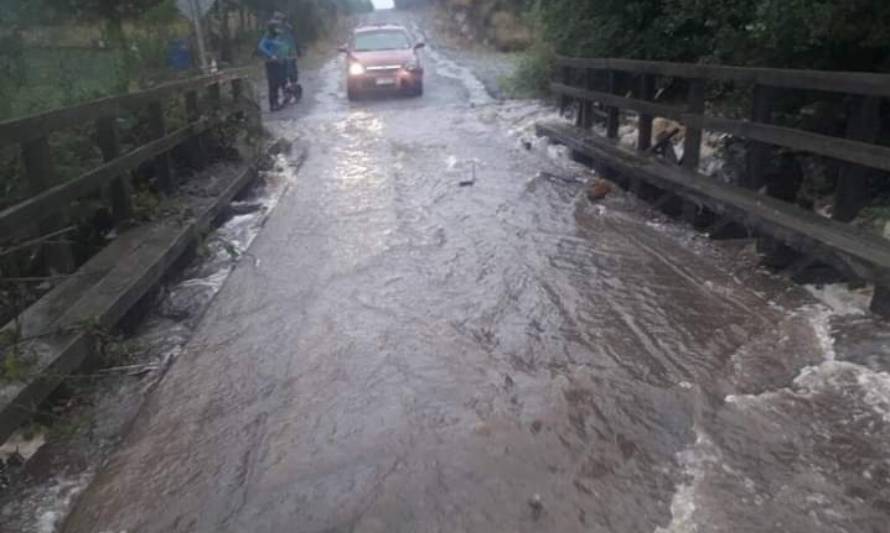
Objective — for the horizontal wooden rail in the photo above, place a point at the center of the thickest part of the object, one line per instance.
(851, 151)
(841, 245)
(51, 200)
(861, 83)
(614, 100)
(36, 126)
(870, 155)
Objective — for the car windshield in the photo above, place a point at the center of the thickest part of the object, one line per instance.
(370, 41)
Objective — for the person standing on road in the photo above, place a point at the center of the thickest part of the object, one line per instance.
(291, 51)
(272, 47)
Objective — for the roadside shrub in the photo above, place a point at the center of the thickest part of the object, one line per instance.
(822, 34)
(533, 73)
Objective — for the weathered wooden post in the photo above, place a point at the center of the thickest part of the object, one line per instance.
(880, 301)
(38, 161)
(775, 253)
(566, 80)
(863, 124)
(196, 144)
(647, 92)
(109, 143)
(587, 106)
(214, 96)
(237, 90)
(163, 166)
(695, 106)
(613, 116)
(758, 152)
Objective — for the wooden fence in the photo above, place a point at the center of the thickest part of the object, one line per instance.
(45, 210)
(605, 87)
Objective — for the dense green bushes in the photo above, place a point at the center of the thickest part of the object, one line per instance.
(826, 34)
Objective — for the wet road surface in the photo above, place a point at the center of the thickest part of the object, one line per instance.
(404, 354)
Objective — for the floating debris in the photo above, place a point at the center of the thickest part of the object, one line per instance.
(600, 190)
(537, 506)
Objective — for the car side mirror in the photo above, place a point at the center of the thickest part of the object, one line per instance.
(343, 49)
(418, 46)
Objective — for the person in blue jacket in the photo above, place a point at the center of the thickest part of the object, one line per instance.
(274, 50)
(293, 88)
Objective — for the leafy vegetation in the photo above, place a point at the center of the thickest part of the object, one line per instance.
(16, 364)
(822, 34)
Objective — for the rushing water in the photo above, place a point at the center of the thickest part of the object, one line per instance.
(436, 331)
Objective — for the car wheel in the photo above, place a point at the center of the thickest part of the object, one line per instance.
(351, 94)
(418, 89)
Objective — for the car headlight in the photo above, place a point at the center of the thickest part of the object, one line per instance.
(356, 69)
(412, 65)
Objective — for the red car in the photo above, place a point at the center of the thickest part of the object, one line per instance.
(382, 58)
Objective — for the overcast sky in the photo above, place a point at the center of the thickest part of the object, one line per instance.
(382, 4)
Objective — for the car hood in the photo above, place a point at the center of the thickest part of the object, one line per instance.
(384, 57)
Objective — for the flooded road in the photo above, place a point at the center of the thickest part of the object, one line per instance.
(405, 354)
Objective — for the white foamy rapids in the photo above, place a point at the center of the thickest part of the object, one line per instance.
(841, 299)
(820, 319)
(695, 461)
(843, 377)
(557, 151)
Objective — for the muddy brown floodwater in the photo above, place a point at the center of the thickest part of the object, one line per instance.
(404, 354)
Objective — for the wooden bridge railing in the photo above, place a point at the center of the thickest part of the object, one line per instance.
(859, 148)
(50, 198)
(605, 87)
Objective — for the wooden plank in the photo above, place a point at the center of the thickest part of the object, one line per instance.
(851, 194)
(845, 247)
(862, 83)
(119, 187)
(163, 165)
(646, 93)
(35, 126)
(45, 204)
(639, 106)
